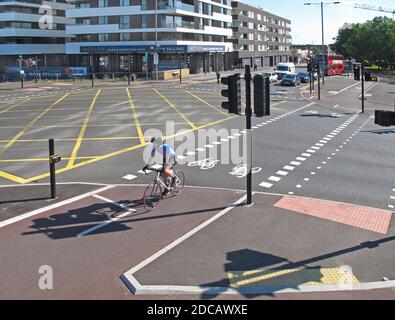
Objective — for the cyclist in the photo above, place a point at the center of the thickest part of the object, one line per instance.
(169, 160)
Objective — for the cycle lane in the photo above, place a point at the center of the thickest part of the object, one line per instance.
(90, 266)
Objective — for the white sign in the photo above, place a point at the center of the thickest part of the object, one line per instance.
(22, 72)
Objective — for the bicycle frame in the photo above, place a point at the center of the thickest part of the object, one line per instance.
(158, 180)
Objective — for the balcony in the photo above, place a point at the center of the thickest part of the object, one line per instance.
(182, 24)
(173, 5)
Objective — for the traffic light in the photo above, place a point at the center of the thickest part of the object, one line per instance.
(261, 96)
(267, 96)
(309, 66)
(233, 93)
(259, 99)
(384, 118)
(357, 72)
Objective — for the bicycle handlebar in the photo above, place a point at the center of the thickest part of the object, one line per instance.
(156, 170)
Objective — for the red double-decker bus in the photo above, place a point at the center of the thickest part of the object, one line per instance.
(334, 64)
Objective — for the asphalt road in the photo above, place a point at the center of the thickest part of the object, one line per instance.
(319, 149)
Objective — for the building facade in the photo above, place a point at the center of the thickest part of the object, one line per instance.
(147, 35)
(33, 30)
(184, 33)
(259, 37)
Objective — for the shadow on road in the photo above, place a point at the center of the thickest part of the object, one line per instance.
(381, 131)
(24, 200)
(252, 261)
(72, 222)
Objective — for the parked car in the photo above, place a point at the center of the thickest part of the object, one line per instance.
(304, 77)
(290, 79)
(273, 77)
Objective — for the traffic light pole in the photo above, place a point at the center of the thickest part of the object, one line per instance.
(52, 173)
(93, 70)
(319, 84)
(363, 87)
(248, 113)
(129, 70)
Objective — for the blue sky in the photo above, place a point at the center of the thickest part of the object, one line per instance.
(306, 20)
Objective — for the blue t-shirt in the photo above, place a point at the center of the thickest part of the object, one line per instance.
(165, 150)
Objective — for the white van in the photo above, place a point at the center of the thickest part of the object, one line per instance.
(284, 68)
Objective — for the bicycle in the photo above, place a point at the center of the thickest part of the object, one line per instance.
(153, 193)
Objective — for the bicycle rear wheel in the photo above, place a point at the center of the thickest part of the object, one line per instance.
(152, 195)
(180, 181)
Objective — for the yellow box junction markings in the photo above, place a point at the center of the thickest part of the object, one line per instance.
(15, 105)
(135, 117)
(122, 151)
(292, 277)
(29, 125)
(77, 145)
(175, 108)
(45, 159)
(93, 159)
(205, 102)
(74, 139)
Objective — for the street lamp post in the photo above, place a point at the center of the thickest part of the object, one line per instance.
(156, 40)
(253, 48)
(322, 26)
(20, 70)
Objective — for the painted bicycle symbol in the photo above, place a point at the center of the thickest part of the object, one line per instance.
(240, 171)
(204, 164)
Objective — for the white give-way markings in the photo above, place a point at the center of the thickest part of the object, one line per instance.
(107, 222)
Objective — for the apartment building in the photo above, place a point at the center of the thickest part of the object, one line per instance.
(259, 37)
(186, 33)
(33, 30)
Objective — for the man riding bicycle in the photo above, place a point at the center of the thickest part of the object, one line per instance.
(169, 160)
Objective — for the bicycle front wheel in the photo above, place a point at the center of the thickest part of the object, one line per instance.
(152, 196)
(180, 181)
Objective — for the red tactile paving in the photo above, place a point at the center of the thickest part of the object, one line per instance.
(353, 215)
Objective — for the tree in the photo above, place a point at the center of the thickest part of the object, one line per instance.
(372, 42)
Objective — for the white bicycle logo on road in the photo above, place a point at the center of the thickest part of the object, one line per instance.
(204, 164)
(240, 171)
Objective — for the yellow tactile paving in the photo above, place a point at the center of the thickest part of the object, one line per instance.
(292, 277)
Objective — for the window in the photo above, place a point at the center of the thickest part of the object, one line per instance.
(85, 5)
(124, 36)
(210, 9)
(24, 25)
(102, 3)
(102, 20)
(144, 20)
(86, 21)
(124, 22)
(102, 37)
(143, 4)
(200, 7)
(124, 3)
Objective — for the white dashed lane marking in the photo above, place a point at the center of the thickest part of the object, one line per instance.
(309, 152)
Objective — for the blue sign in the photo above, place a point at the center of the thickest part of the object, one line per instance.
(132, 49)
(151, 49)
